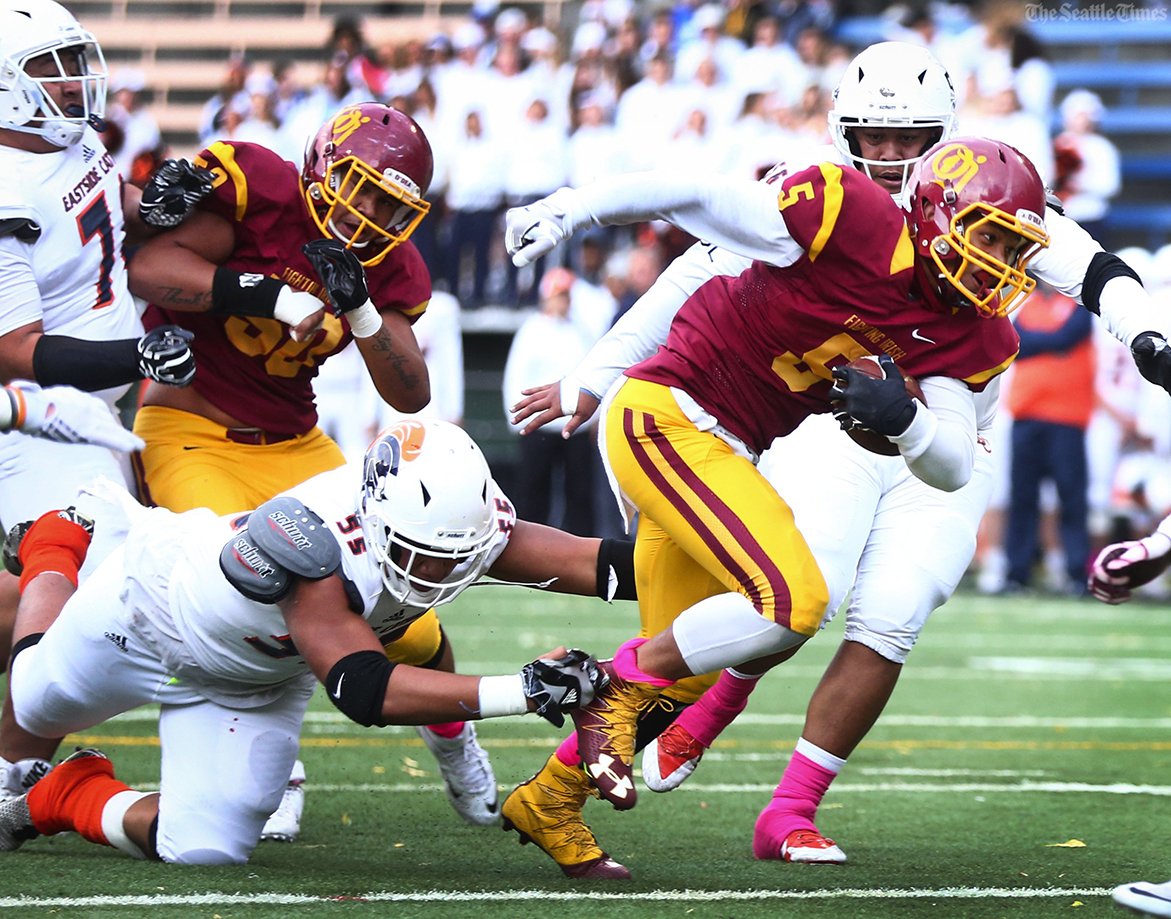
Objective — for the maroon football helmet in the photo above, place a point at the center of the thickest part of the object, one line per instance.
(365, 176)
(963, 194)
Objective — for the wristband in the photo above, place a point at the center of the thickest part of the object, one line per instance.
(364, 321)
(243, 294)
(502, 695)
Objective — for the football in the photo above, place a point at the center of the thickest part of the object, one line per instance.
(1143, 572)
(865, 438)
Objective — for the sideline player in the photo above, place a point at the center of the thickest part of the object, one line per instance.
(66, 315)
(227, 622)
(876, 495)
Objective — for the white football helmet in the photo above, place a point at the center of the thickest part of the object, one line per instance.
(426, 491)
(892, 84)
(33, 28)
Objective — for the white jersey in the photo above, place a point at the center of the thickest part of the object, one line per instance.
(72, 276)
(209, 634)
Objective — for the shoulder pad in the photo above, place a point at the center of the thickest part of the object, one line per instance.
(295, 537)
(1051, 200)
(281, 540)
(22, 228)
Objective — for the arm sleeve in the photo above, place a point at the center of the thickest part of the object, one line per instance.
(640, 331)
(737, 214)
(939, 447)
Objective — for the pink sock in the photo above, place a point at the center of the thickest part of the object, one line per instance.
(450, 730)
(793, 806)
(626, 665)
(567, 752)
(717, 708)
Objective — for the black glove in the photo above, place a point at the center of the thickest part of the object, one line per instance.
(340, 271)
(565, 683)
(879, 405)
(172, 192)
(1152, 357)
(164, 355)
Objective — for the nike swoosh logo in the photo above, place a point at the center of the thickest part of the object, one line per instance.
(918, 336)
(337, 690)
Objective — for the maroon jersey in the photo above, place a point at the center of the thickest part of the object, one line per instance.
(249, 367)
(757, 351)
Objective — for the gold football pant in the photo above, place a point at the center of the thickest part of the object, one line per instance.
(709, 522)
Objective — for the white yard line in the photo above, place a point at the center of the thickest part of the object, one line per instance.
(491, 896)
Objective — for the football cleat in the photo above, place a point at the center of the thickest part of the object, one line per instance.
(1145, 898)
(17, 778)
(670, 758)
(467, 775)
(605, 736)
(15, 536)
(16, 824)
(284, 823)
(802, 847)
(546, 811)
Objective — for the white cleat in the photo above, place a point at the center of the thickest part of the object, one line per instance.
(17, 778)
(1145, 898)
(16, 826)
(670, 758)
(284, 825)
(806, 847)
(467, 775)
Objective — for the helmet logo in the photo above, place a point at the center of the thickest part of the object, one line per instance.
(885, 93)
(956, 165)
(409, 437)
(346, 123)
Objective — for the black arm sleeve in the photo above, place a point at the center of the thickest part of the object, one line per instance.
(59, 360)
(1103, 267)
(616, 558)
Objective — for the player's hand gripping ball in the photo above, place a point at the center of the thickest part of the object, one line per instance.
(863, 436)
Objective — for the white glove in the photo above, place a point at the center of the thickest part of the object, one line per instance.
(1123, 566)
(68, 416)
(538, 228)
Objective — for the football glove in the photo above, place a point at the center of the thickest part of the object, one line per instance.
(565, 683)
(164, 355)
(1152, 357)
(879, 405)
(538, 228)
(1123, 566)
(172, 193)
(340, 271)
(68, 416)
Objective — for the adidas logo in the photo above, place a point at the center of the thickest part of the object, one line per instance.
(87, 153)
(119, 641)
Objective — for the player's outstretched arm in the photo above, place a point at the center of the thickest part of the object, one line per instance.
(344, 654)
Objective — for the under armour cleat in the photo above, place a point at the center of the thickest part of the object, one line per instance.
(547, 811)
(801, 847)
(605, 736)
(284, 824)
(670, 758)
(467, 775)
(1145, 898)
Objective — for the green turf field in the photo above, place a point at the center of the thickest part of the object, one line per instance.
(1023, 769)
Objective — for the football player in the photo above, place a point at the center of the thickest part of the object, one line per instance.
(66, 315)
(863, 515)
(227, 622)
(271, 246)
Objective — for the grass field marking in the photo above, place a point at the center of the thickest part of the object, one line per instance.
(500, 896)
(313, 719)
